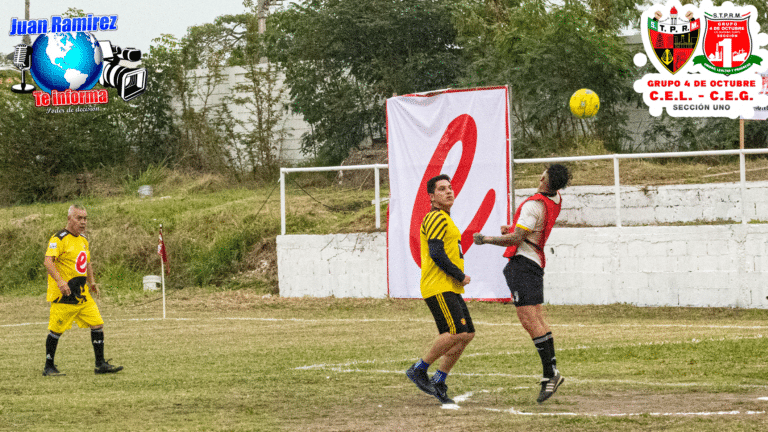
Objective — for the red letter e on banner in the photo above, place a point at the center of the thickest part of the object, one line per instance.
(463, 129)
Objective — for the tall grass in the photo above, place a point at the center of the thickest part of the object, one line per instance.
(210, 230)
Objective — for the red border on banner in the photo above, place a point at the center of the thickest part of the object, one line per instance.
(509, 161)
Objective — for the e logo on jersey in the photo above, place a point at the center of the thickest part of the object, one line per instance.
(81, 264)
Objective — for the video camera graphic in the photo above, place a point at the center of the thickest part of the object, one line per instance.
(129, 82)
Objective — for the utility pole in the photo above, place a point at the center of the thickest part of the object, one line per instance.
(261, 13)
(262, 10)
(26, 40)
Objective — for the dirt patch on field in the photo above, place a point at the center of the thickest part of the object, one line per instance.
(666, 404)
(485, 410)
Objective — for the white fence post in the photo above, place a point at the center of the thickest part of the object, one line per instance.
(617, 190)
(377, 195)
(282, 201)
(375, 167)
(743, 179)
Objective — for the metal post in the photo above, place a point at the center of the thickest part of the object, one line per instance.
(282, 201)
(511, 147)
(743, 175)
(617, 190)
(377, 198)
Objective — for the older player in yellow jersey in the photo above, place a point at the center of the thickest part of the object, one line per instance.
(442, 283)
(70, 283)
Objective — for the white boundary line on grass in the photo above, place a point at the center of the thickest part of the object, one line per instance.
(466, 397)
(367, 320)
(653, 414)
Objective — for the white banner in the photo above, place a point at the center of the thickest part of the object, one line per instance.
(462, 133)
(761, 112)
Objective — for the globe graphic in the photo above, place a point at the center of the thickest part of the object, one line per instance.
(63, 61)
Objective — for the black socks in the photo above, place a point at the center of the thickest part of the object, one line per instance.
(545, 345)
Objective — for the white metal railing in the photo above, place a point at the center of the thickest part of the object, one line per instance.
(615, 157)
(377, 193)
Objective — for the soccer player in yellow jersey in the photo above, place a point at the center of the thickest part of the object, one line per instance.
(442, 283)
(70, 283)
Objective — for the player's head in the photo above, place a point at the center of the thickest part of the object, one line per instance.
(77, 219)
(433, 181)
(440, 192)
(556, 177)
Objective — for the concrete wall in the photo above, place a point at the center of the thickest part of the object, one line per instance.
(696, 265)
(338, 265)
(705, 265)
(716, 265)
(651, 205)
(294, 125)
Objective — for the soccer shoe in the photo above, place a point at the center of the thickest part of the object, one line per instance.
(105, 368)
(549, 387)
(52, 371)
(441, 393)
(421, 379)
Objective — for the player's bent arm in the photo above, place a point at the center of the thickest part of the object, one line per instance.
(438, 255)
(513, 239)
(60, 282)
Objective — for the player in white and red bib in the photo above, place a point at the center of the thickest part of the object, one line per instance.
(525, 240)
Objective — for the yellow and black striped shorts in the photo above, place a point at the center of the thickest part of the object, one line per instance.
(451, 313)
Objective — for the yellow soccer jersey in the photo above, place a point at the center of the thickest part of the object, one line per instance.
(71, 256)
(438, 225)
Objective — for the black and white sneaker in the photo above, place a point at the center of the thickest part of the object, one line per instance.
(421, 379)
(549, 386)
(105, 368)
(441, 393)
(52, 371)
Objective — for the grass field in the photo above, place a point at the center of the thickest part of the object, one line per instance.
(239, 361)
(234, 356)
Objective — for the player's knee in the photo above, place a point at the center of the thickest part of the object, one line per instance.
(527, 318)
(465, 338)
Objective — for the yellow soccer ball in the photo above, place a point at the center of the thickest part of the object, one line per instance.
(585, 103)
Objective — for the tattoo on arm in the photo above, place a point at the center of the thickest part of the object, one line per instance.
(513, 239)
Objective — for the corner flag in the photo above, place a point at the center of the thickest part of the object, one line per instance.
(161, 251)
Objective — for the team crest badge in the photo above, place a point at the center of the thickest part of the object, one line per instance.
(727, 43)
(673, 39)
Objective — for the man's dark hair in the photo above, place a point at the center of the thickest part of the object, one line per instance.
(431, 183)
(558, 177)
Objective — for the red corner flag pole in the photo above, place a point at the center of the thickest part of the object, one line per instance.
(163, 261)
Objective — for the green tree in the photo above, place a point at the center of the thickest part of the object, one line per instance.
(545, 51)
(344, 57)
(211, 136)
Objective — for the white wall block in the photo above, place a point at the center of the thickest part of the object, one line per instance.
(649, 266)
(692, 265)
(339, 265)
(596, 205)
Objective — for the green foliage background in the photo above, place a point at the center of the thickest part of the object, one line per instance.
(339, 61)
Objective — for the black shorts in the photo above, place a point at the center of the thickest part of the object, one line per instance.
(451, 313)
(525, 280)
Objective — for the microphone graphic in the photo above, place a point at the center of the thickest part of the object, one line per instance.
(21, 59)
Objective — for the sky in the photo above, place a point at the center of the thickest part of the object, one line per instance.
(138, 22)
